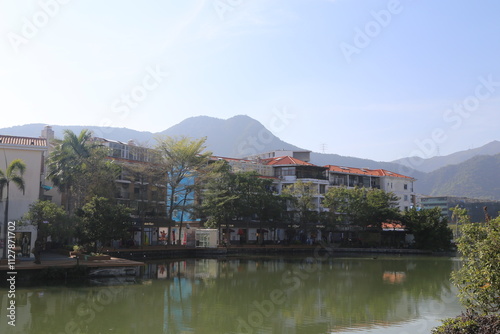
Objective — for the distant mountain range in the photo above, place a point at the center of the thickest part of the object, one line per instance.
(434, 163)
(477, 177)
(471, 173)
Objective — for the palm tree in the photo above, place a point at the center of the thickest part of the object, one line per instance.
(13, 173)
(71, 165)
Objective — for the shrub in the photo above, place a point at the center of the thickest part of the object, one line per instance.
(470, 323)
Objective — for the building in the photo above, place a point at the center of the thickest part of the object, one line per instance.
(475, 207)
(140, 186)
(32, 151)
(400, 185)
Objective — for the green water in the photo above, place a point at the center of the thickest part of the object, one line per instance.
(385, 294)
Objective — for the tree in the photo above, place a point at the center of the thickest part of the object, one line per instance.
(478, 279)
(219, 198)
(13, 173)
(430, 229)
(245, 195)
(181, 159)
(50, 219)
(78, 168)
(361, 206)
(301, 197)
(103, 221)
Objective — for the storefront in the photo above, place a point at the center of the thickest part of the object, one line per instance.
(24, 240)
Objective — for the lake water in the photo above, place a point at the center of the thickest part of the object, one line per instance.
(331, 294)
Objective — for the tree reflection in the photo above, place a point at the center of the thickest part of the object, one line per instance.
(223, 296)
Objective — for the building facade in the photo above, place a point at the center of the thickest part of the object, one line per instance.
(475, 207)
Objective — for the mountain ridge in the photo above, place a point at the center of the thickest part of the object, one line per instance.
(434, 163)
(241, 136)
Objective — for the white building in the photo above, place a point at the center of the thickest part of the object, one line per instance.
(32, 151)
(400, 185)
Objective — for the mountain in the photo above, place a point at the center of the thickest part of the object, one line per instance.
(241, 135)
(237, 136)
(120, 134)
(434, 163)
(475, 178)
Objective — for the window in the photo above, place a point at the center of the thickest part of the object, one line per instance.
(322, 188)
(406, 197)
(406, 186)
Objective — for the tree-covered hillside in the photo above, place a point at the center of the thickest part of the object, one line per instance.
(478, 177)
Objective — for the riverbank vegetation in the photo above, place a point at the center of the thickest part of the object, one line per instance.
(478, 279)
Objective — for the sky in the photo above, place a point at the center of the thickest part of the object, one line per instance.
(372, 79)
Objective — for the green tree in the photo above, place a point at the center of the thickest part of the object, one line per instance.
(219, 201)
(79, 169)
(181, 159)
(361, 206)
(50, 219)
(245, 195)
(13, 173)
(478, 279)
(430, 229)
(103, 221)
(302, 197)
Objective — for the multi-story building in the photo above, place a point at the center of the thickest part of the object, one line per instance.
(139, 187)
(400, 185)
(32, 151)
(475, 207)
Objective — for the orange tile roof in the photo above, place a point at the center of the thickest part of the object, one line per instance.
(23, 141)
(365, 171)
(286, 160)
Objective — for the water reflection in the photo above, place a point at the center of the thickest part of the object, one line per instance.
(250, 295)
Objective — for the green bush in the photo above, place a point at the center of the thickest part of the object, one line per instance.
(470, 323)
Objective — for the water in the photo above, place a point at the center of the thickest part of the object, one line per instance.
(385, 294)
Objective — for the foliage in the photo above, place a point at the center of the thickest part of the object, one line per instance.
(472, 178)
(430, 229)
(13, 173)
(243, 195)
(181, 159)
(470, 323)
(103, 221)
(301, 197)
(78, 168)
(58, 225)
(361, 206)
(478, 279)
(144, 175)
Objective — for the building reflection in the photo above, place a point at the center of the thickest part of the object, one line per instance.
(238, 295)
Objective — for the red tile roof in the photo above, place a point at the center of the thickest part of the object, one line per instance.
(365, 171)
(286, 160)
(23, 141)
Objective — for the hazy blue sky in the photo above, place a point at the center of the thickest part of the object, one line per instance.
(372, 79)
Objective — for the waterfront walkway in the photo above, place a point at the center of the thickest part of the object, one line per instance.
(49, 259)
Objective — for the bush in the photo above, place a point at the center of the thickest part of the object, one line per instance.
(470, 323)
